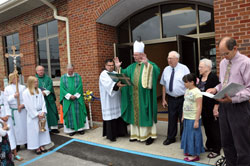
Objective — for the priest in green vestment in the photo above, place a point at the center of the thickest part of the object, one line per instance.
(46, 86)
(139, 102)
(71, 97)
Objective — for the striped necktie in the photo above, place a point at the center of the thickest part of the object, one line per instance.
(226, 78)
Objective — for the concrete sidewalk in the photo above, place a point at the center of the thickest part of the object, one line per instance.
(157, 148)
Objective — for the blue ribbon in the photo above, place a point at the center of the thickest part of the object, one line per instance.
(94, 98)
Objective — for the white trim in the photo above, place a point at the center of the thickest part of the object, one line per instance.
(116, 13)
(3, 1)
(56, 83)
(10, 4)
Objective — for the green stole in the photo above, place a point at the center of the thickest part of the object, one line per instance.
(74, 111)
(139, 105)
(45, 82)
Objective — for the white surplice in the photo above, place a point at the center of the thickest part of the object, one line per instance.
(2, 111)
(17, 120)
(2, 114)
(110, 99)
(35, 105)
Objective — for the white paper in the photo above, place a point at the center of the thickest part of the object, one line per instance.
(47, 92)
(230, 90)
(210, 95)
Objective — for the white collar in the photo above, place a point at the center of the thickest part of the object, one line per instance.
(71, 75)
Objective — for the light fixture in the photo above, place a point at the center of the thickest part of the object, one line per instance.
(178, 11)
(191, 25)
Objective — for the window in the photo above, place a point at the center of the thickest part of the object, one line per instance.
(169, 19)
(12, 40)
(48, 48)
(163, 22)
(206, 19)
(178, 19)
(146, 25)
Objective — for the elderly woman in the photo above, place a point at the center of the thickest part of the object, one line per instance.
(210, 109)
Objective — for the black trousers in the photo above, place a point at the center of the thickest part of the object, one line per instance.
(235, 133)
(114, 128)
(175, 106)
(212, 131)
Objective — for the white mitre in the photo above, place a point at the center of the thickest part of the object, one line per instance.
(138, 47)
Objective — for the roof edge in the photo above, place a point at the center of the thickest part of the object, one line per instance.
(10, 4)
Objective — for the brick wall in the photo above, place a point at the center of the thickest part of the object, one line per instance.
(91, 43)
(232, 18)
(25, 25)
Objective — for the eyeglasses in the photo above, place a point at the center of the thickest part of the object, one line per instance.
(171, 58)
(225, 54)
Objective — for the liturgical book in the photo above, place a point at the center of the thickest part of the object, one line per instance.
(120, 77)
(230, 90)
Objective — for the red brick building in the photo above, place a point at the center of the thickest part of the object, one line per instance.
(190, 27)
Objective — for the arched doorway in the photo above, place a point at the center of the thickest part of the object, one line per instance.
(168, 23)
(164, 25)
(184, 27)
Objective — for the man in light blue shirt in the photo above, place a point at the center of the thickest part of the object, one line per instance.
(172, 84)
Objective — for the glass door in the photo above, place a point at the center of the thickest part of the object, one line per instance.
(124, 53)
(187, 48)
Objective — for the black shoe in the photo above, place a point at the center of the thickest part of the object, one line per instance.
(208, 149)
(56, 131)
(168, 141)
(81, 132)
(132, 140)
(17, 148)
(112, 140)
(149, 141)
(43, 150)
(38, 152)
(71, 134)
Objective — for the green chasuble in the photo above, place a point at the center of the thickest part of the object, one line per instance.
(45, 82)
(139, 105)
(74, 111)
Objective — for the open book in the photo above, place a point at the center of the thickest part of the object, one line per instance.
(230, 90)
(120, 77)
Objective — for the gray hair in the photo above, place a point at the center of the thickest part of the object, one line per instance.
(207, 62)
(176, 54)
(39, 66)
(70, 66)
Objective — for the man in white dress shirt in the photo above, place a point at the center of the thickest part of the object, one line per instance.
(173, 86)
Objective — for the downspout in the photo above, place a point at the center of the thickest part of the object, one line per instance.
(61, 18)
